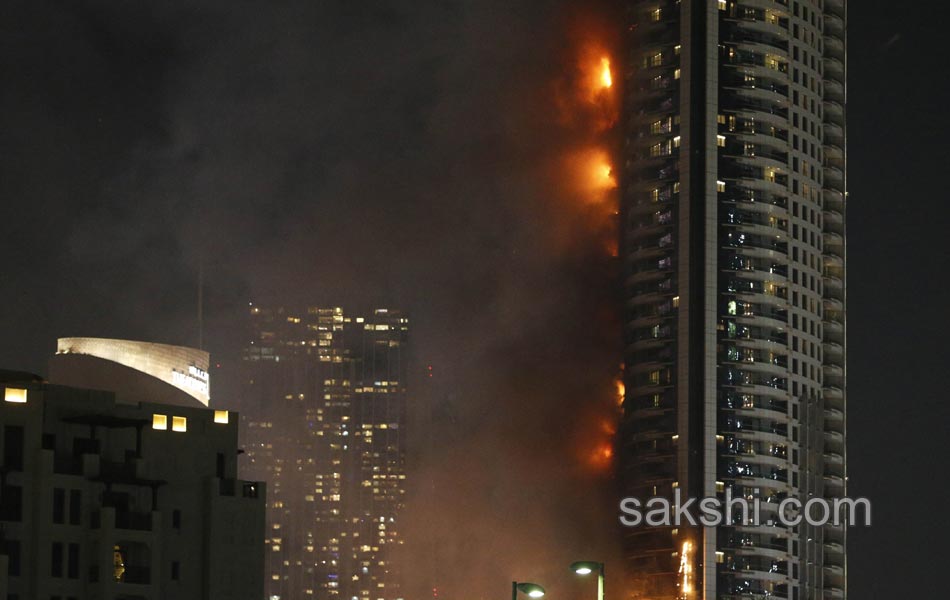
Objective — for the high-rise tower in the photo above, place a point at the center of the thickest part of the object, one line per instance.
(733, 233)
(323, 404)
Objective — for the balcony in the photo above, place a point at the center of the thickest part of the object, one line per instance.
(136, 575)
(122, 519)
(834, 458)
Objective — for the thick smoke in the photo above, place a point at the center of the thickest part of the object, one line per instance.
(433, 156)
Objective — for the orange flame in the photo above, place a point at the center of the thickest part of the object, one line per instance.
(621, 391)
(686, 570)
(606, 79)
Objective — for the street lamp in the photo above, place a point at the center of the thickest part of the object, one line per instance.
(533, 590)
(586, 567)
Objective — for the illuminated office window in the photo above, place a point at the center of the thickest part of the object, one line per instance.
(159, 422)
(179, 424)
(16, 395)
(221, 416)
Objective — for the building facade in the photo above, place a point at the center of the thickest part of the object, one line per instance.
(323, 400)
(109, 500)
(733, 242)
(145, 371)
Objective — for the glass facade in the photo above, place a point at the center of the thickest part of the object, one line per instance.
(323, 419)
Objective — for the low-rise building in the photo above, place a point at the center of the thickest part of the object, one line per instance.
(122, 500)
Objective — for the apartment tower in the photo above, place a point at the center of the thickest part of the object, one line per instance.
(733, 242)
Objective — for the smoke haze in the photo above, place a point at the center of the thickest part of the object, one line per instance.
(434, 157)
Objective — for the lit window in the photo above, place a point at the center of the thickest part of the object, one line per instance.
(16, 395)
(159, 422)
(721, 141)
(221, 416)
(656, 14)
(179, 424)
(722, 4)
(720, 186)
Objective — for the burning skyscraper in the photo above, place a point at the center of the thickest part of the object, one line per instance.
(323, 408)
(733, 242)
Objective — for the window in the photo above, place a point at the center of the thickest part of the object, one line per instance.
(221, 416)
(56, 560)
(11, 548)
(721, 141)
(15, 395)
(656, 14)
(75, 507)
(159, 422)
(13, 447)
(720, 186)
(11, 503)
(661, 149)
(72, 563)
(59, 506)
(179, 424)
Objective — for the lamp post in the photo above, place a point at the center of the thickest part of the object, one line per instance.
(586, 567)
(533, 590)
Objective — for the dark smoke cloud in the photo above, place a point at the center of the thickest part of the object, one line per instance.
(356, 153)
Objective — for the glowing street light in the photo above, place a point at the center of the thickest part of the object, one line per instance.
(586, 567)
(532, 590)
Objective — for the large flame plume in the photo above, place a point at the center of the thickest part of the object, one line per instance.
(592, 107)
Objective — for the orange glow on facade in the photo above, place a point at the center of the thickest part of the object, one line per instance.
(604, 174)
(602, 455)
(594, 175)
(621, 391)
(613, 250)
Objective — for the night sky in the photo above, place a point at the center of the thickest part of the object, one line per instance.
(374, 153)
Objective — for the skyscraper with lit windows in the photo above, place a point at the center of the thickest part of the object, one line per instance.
(733, 235)
(323, 423)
